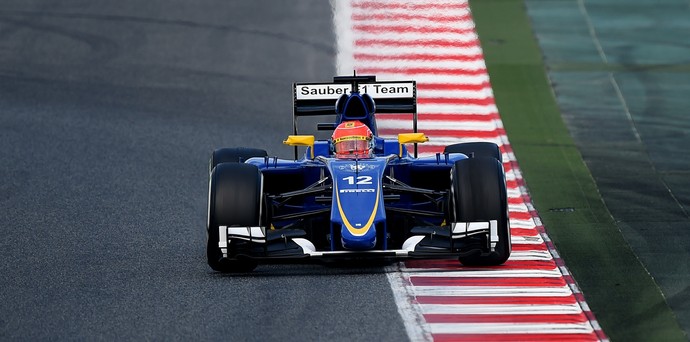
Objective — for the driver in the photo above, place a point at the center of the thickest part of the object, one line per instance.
(352, 140)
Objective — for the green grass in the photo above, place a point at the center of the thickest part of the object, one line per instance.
(625, 299)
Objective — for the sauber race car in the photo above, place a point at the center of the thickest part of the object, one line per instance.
(356, 195)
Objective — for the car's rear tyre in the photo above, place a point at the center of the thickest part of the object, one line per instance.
(476, 149)
(234, 200)
(234, 155)
(479, 194)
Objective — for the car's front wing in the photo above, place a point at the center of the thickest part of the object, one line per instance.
(426, 242)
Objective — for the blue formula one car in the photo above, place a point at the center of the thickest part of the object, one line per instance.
(356, 195)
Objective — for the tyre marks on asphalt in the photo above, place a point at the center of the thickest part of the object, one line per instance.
(533, 296)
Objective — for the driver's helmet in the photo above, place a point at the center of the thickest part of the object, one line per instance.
(352, 140)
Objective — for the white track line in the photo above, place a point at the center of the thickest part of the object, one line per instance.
(511, 328)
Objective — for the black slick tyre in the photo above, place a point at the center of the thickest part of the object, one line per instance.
(479, 194)
(475, 149)
(234, 155)
(234, 200)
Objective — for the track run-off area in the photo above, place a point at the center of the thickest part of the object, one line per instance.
(533, 296)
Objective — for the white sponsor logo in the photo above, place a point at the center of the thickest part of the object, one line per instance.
(357, 167)
(388, 90)
(351, 191)
(334, 91)
(321, 91)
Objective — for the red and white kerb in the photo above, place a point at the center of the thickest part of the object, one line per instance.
(532, 297)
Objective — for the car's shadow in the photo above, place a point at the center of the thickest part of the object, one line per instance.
(324, 268)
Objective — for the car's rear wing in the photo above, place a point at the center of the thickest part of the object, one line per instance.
(313, 99)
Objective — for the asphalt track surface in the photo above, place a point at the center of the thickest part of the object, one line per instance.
(108, 113)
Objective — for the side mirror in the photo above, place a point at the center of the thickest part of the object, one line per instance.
(410, 138)
(301, 140)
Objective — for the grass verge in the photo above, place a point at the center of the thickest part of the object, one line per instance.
(625, 299)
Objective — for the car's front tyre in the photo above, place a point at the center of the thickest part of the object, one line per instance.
(475, 149)
(480, 195)
(234, 200)
(234, 155)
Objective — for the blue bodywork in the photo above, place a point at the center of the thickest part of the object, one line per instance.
(388, 205)
(362, 192)
(356, 205)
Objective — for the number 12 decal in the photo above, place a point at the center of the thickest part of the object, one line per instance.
(361, 180)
